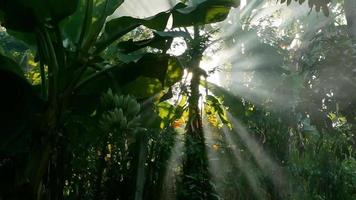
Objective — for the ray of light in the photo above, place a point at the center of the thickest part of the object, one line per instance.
(173, 169)
(260, 93)
(265, 162)
(244, 166)
(217, 168)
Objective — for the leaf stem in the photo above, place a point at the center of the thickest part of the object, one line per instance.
(43, 80)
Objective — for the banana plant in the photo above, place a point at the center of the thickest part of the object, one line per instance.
(71, 41)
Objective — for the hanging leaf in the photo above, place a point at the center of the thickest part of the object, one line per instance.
(174, 72)
(165, 68)
(153, 68)
(27, 15)
(21, 15)
(143, 87)
(214, 108)
(62, 9)
(28, 38)
(118, 27)
(105, 7)
(70, 26)
(207, 12)
(161, 40)
(234, 103)
(325, 10)
(166, 113)
(18, 102)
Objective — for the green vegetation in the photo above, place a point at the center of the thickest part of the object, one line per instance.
(206, 99)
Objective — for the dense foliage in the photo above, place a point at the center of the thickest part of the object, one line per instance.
(99, 106)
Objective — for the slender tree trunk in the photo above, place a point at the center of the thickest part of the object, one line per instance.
(196, 178)
(350, 12)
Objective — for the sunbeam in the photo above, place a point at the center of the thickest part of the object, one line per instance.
(265, 162)
(218, 166)
(174, 167)
(178, 99)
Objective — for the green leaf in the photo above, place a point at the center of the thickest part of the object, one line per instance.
(174, 72)
(18, 104)
(96, 17)
(128, 58)
(6, 64)
(234, 103)
(156, 42)
(62, 9)
(173, 34)
(325, 10)
(71, 25)
(27, 15)
(106, 7)
(150, 65)
(166, 112)
(143, 87)
(22, 15)
(207, 12)
(158, 67)
(118, 27)
(218, 108)
(28, 38)
(161, 40)
(102, 10)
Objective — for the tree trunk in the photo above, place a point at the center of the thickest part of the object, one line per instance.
(140, 179)
(350, 13)
(196, 178)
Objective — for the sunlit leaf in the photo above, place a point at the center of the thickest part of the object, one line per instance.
(143, 87)
(118, 27)
(209, 11)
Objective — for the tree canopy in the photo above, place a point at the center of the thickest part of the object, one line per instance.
(205, 99)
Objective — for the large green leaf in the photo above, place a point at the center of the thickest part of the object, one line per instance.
(143, 87)
(166, 112)
(156, 42)
(97, 12)
(71, 26)
(164, 68)
(22, 15)
(161, 40)
(150, 65)
(88, 21)
(28, 38)
(62, 9)
(174, 72)
(118, 27)
(18, 105)
(105, 7)
(8, 65)
(207, 12)
(27, 15)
